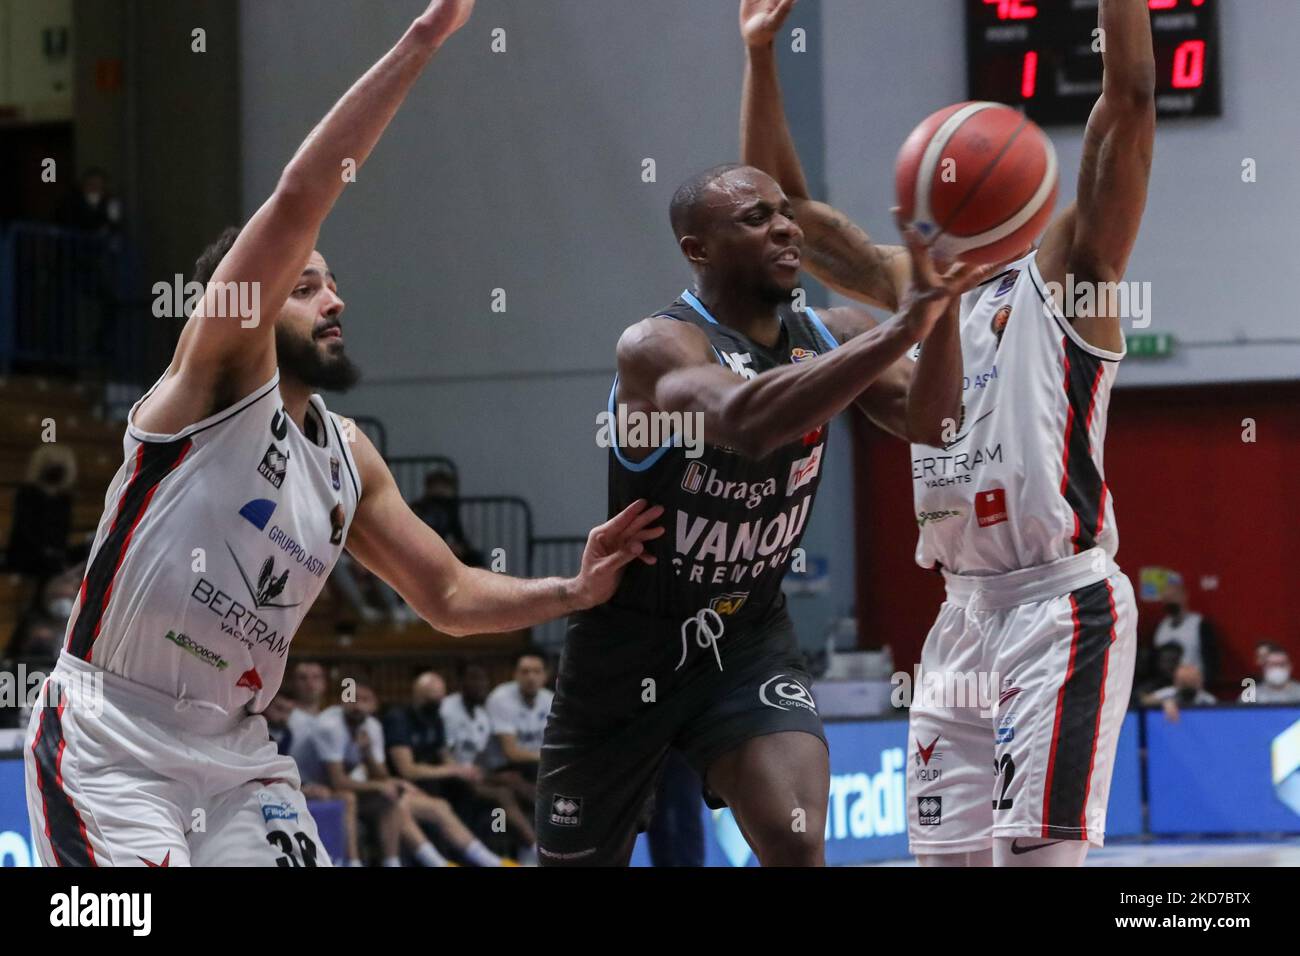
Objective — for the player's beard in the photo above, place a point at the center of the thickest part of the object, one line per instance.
(302, 359)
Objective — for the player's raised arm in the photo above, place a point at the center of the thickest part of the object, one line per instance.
(669, 366)
(389, 539)
(1092, 240)
(234, 354)
(837, 251)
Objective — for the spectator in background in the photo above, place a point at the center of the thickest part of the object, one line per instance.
(1187, 690)
(418, 753)
(439, 508)
(38, 637)
(1276, 687)
(1189, 630)
(1159, 674)
(369, 596)
(469, 729)
(347, 754)
(91, 207)
(1262, 650)
(38, 538)
(519, 710)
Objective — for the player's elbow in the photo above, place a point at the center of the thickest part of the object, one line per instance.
(1134, 92)
(743, 428)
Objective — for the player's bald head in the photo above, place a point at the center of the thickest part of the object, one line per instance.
(702, 200)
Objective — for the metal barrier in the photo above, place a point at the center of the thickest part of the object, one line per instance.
(554, 557)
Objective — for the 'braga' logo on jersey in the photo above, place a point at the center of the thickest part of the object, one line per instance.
(697, 479)
(991, 507)
(273, 466)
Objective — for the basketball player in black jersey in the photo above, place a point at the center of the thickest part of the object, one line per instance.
(697, 651)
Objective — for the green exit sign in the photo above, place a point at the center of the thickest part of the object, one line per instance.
(1144, 345)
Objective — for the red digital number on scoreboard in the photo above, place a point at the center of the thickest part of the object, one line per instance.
(1017, 9)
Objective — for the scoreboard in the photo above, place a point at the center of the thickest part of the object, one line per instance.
(1044, 56)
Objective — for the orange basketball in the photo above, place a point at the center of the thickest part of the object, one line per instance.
(978, 181)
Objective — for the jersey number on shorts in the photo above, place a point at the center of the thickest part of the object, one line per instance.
(1006, 769)
(280, 839)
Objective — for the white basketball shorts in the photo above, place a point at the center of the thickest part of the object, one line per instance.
(1051, 652)
(121, 775)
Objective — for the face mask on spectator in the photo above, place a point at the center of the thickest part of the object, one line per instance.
(60, 608)
(1277, 675)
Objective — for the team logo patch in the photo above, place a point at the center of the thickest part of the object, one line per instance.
(929, 811)
(1000, 319)
(728, 603)
(1007, 284)
(991, 507)
(336, 524)
(335, 480)
(785, 693)
(280, 425)
(801, 355)
(258, 512)
(804, 471)
(273, 466)
(566, 811)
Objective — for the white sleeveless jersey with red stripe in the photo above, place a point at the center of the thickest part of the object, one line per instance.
(1023, 482)
(214, 543)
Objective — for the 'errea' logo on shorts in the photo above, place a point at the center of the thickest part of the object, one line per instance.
(785, 693)
(566, 811)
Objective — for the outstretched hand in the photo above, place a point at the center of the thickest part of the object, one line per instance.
(761, 20)
(611, 547)
(443, 18)
(932, 293)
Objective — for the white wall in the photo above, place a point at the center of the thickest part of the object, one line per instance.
(1216, 251)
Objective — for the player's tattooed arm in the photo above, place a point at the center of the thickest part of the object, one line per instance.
(1094, 237)
(223, 354)
(387, 537)
(836, 251)
(919, 401)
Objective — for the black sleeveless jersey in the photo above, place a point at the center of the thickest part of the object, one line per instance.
(731, 523)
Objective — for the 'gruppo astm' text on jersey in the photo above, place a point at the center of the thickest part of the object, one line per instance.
(214, 543)
(1022, 483)
(732, 523)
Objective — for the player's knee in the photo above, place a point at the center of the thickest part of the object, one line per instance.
(781, 841)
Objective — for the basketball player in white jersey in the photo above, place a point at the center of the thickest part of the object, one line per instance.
(1014, 508)
(238, 492)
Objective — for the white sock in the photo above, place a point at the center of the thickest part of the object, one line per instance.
(354, 863)
(426, 855)
(479, 855)
(392, 861)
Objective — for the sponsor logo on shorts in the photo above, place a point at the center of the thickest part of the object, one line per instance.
(566, 811)
(804, 470)
(925, 755)
(929, 811)
(728, 603)
(785, 693)
(195, 649)
(274, 464)
(991, 507)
